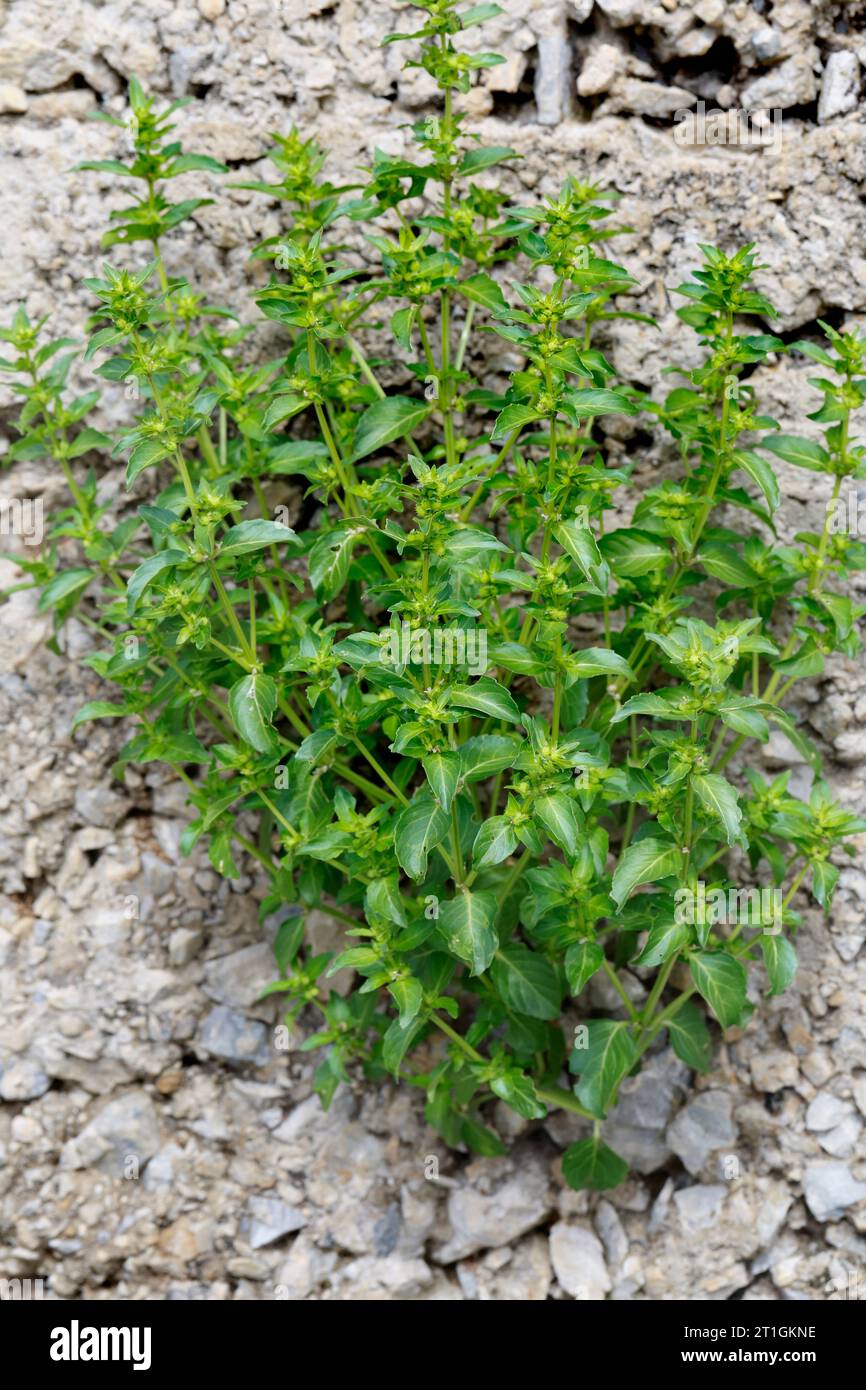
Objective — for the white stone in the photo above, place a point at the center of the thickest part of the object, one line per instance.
(578, 1262)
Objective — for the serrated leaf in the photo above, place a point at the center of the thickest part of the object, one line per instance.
(466, 926)
(385, 420)
(591, 1165)
(483, 289)
(608, 1057)
(494, 842)
(248, 536)
(419, 827)
(721, 979)
(719, 799)
(559, 815)
(442, 771)
(252, 702)
(805, 453)
(780, 960)
(526, 981)
(665, 940)
(690, 1037)
(645, 861)
(581, 962)
(488, 697)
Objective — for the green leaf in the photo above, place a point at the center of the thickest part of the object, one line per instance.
(483, 290)
(494, 842)
(382, 899)
(398, 1041)
(559, 815)
(330, 557)
(419, 827)
(608, 1057)
(66, 585)
(142, 577)
(248, 536)
(252, 702)
(665, 940)
(512, 418)
(690, 1037)
(187, 162)
(401, 326)
(780, 960)
(97, 709)
(482, 157)
(598, 661)
(581, 962)
(721, 979)
(580, 544)
(526, 981)
(805, 453)
(488, 697)
(408, 996)
(442, 771)
(385, 420)
(719, 799)
(220, 854)
(282, 408)
(486, 754)
(590, 1164)
(632, 553)
(481, 1140)
(88, 439)
(723, 562)
(466, 925)
(825, 876)
(586, 404)
(517, 1090)
(144, 455)
(287, 941)
(645, 861)
(761, 473)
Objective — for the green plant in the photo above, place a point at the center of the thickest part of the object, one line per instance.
(392, 711)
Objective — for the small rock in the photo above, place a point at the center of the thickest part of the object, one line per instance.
(698, 1207)
(480, 1221)
(13, 101)
(553, 79)
(840, 86)
(578, 1262)
(184, 945)
(612, 1232)
(23, 1080)
(118, 1140)
(766, 43)
(826, 1112)
(101, 806)
(830, 1188)
(602, 65)
(269, 1220)
(791, 83)
(239, 978)
(211, 9)
(702, 1127)
(842, 1139)
(229, 1034)
(636, 1126)
(774, 1070)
